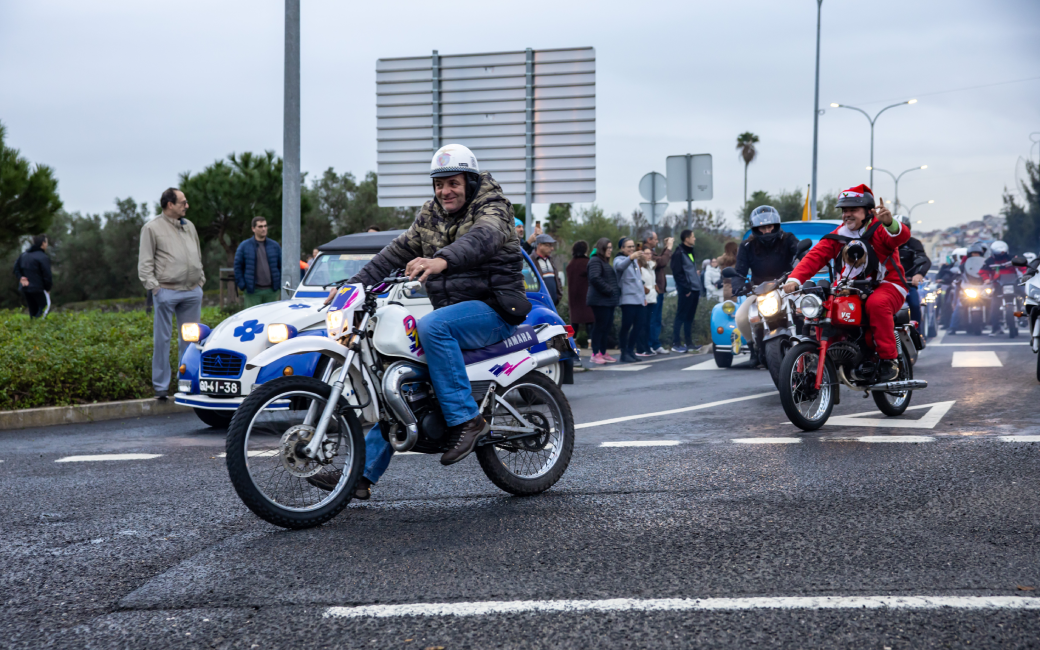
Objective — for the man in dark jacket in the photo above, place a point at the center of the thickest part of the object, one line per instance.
(661, 265)
(916, 264)
(33, 270)
(258, 266)
(688, 287)
(463, 247)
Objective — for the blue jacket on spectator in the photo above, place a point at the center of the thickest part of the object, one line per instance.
(245, 263)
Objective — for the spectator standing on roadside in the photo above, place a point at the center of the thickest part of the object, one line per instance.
(646, 270)
(258, 266)
(712, 275)
(169, 265)
(661, 264)
(688, 288)
(602, 298)
(632, 298)
(33, 270)
(544, 245)
(578, 288)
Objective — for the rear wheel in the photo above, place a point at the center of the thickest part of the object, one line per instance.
(930, 331)
(893, 404)
(266, 464)
(526, 466)
(215, 419)
(1010, 321)
(723, 357)
(553, 371)
(806, 406)
(774, 358)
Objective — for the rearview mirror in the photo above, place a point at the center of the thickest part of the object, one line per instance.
(804, 245)
(1018, 260)
(729, 272)
(413, 289)
(1035, 264)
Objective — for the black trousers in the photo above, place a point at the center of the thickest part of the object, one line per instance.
(36, 301)
(604, 319)
(629, 328)
(684, 314)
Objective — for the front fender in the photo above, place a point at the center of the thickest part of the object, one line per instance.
(727, 322)
(299, 345)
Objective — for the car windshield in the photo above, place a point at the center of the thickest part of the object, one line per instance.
(329, 268)
(531, 281)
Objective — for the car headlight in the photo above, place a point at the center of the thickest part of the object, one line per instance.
(769, 304)
(334, 323)
(810, 306)
(280, 332)
(194, 332)
(971, 293)
(729, 307)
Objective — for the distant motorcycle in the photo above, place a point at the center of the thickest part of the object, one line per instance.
(1030, 282)
(975, 297)
(832, 350)
(1012, 296)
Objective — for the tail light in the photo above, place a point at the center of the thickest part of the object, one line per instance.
(570, 330)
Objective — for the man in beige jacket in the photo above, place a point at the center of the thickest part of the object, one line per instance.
(170, 266)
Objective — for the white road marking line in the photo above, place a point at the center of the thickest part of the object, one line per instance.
(931, 418)
(964, 345)
(87, 459)
(687, 604)
(890, 439)
(685, 409)
(641, 443)
(976, 359)
(254, 454)
(711, 365)
(1020, 438)
(767, 441)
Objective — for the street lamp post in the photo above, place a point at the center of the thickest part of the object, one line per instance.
(872, 120)
(911, 212)
(816, 112)
(894, 178)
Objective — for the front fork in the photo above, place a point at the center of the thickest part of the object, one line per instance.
(313, 447)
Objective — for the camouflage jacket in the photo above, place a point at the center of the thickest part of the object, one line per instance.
(480, 245)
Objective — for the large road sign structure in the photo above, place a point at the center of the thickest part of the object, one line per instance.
(529, 116)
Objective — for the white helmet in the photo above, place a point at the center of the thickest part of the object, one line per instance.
(998, 248)
(960, 252)
(452, 159)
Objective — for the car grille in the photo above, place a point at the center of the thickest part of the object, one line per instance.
(222, 364)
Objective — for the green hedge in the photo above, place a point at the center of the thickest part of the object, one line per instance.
(79, 357)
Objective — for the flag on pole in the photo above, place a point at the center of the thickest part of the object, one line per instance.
(806, 213)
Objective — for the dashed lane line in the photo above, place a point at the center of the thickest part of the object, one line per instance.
(884, 603)
(976, 359)
(766, 441)
(889, 439)
(685, 409)
(981, 344)
(103, 457)
(641, 443)
(1020, 438)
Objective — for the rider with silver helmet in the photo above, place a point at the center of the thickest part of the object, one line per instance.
(916, 264)
(767, 253)
(464, 248)
(998, 265)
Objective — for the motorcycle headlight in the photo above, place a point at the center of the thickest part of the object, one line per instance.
(194, 332)
(971, 293)
(810, 306)
(1034, 291)
(769, 304)
(334, 323)
(989, 290)
(729, 307)
(279, 332)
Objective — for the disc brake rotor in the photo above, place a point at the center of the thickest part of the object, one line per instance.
(291, 451)
(538, 442)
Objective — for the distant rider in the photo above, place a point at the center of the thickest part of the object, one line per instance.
(464, 248)
(998, 267)
(880, 237)
(768, 253)
(916, 264)
(975, 250)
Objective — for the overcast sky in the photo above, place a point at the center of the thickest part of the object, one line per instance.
(119, 97)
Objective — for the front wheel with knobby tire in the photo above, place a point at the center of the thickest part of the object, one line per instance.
(806, 406)
(531, 464)
(266, 457)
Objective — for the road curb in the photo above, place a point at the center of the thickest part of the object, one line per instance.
(53, 415)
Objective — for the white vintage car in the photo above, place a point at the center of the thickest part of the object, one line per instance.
(213, 378)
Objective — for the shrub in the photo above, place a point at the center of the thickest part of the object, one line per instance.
(79, 357)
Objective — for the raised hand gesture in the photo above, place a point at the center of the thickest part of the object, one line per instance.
(884, 214)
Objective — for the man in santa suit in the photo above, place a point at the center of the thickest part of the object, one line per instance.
(873, 239)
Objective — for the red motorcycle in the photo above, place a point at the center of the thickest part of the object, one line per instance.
(832, 350)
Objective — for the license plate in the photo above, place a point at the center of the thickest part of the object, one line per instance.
(1009, 289)
(219, 387)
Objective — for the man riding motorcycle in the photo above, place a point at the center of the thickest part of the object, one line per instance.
(870, 240)
(768, 253)
(998, 265)
(915, 264)
(975, 250)
(463, 247)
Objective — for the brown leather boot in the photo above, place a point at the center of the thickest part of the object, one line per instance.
(463, 439)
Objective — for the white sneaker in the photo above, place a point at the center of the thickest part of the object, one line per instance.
(661, 351)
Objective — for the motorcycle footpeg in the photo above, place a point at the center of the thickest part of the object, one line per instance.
(899, 386)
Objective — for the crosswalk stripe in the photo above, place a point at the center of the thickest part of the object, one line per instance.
(976, 359)
(766, 441)
(641, 443)
(1020, 438)
(101, 457)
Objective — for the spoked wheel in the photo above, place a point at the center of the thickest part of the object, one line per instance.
(532, 464)
(265, 457)
(806, 406)
(892, 404)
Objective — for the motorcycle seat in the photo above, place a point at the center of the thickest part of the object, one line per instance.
(903, 316)
(523, 338)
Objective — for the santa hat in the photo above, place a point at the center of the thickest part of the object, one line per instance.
(859, 196)
(858, 191)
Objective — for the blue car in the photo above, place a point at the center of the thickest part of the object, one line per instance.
(726, 339)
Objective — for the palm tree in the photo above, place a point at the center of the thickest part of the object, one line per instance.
(746, 145)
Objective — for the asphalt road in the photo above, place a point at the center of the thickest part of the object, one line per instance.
(657, 536)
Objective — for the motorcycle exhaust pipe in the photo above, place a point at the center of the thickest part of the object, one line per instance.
(898, 386)
(395, 377)
(545, 357)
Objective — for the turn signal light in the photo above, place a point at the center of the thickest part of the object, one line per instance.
(570, 330)
(288, 371)
(719, 329)
(1019, 314)
(183, 369)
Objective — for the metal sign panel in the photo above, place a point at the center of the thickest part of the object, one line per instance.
(654, 211)
(652, 186)
(529, 116)
(689, 177)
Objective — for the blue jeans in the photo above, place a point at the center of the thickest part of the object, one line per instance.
(444, 333)
(913, 299)
(655, 322)
(377, 454)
